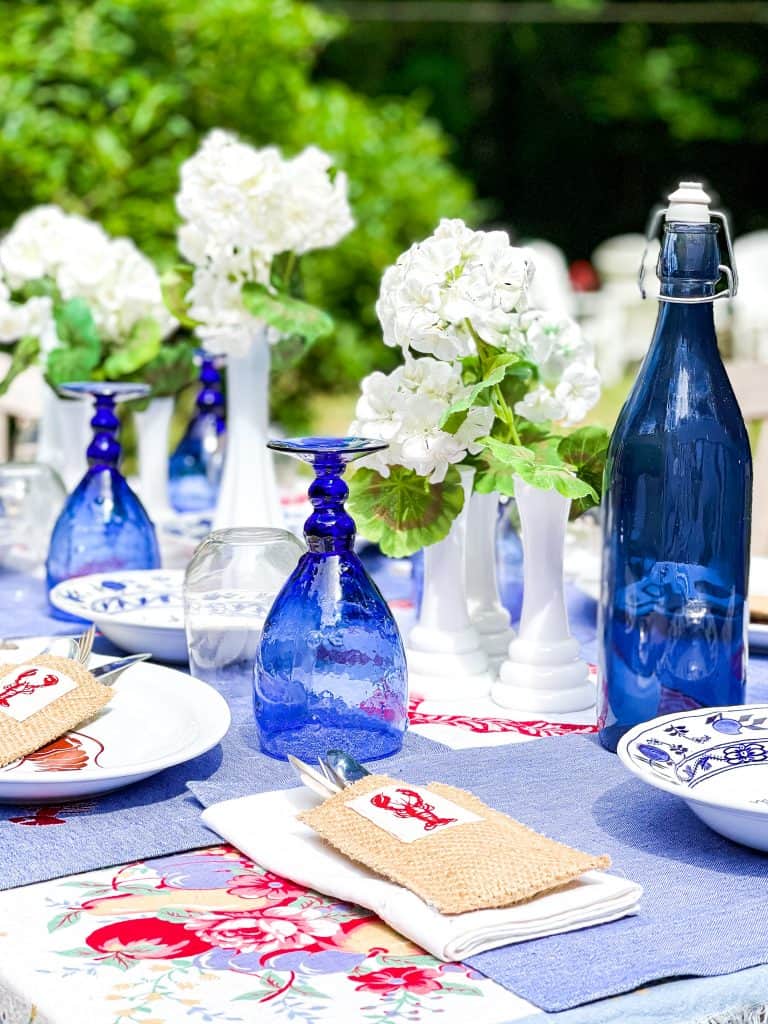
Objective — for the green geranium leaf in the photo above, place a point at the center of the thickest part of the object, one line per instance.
(25, 354)
(41, 286)
(541, 467)
(172, 369)
(404, 512)
(586, 450)
(495, 375)
(286, 314)
(532, 433)
(141, 347)
(517, 381)
(175, 284)
(80, 351)
(289, 352)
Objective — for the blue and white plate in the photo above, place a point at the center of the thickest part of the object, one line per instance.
(138, 610)
(715, 759)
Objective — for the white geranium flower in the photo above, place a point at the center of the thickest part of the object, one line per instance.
(241, 207)
(405, 409)
(540, 405)
(452, 287)
(578, 391)
(116, 280)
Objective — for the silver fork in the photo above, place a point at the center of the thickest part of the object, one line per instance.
(85, 646)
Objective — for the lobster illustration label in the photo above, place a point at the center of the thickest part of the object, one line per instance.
(410, 812)
(28, 689)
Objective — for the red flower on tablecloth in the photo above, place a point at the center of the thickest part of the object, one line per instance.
(484, 726)
(266, 931)
(254, 886)
(419, 980)
(147, 938)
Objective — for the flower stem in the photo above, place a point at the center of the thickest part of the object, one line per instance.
(485, 354)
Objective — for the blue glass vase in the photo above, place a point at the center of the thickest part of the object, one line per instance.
(330, 673)
(677, 510)
(194, 473)
(103, 526)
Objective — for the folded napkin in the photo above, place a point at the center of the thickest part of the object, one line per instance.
(266, 828)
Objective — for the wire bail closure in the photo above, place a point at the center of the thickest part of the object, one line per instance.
(728, 272)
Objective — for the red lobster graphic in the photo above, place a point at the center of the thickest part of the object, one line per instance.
(21, 686)
(413, 805)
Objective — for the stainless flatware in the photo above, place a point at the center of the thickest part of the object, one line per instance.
(341, 769)
(110, 673)
(312, 779)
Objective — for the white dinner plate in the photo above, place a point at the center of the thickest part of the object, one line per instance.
(138, 610)
(158, 717)
(715, 759)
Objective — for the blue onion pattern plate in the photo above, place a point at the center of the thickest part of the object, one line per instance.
(715, 759)
(138, 610)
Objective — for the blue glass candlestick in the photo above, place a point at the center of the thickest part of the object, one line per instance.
(331, 670)
(196, 465)
(103, 526)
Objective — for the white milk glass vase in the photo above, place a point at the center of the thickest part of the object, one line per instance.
(63, 436)
(486, 612)
(543, 671)
(248, 494)
(153, 427)
(446, 660)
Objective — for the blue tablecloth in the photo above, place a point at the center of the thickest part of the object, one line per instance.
(24, 611)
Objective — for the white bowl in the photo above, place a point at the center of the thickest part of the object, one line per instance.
(715, 759)
(138, 610)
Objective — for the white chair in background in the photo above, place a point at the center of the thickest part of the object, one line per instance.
(749, 325)
(619, 322)
(551, 288)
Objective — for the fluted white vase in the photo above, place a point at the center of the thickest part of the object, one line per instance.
(63, 436)
(248, 494)
(153, 428)
(543, 671)
(446, 660)
(486, 612)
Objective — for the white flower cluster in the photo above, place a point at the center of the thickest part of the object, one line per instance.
(241, 207)
(405, 408)
(456, 284)
(118, 282)
(569, 383)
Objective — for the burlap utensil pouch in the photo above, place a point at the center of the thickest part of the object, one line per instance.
(444, 844)
(42, 700)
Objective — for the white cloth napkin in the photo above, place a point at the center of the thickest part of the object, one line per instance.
(265, 828)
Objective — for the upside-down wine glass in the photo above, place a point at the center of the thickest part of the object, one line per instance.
(103, 526)
(196, 464)
(330, 672)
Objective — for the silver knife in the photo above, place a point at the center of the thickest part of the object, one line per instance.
(110, 673)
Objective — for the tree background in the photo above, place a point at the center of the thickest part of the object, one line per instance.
(565, 131)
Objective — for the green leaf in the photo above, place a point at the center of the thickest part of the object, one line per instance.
(285, 313)
(586, 450)
(80, 350)
(404, 512)
(175, 284)
(25, 354)
(495, 374)
(141, 347)
(65, 920)
(541, 467)
(289, 352)
(171, 370)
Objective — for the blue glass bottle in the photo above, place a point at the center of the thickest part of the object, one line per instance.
(103, 526)
(330, 672)
(677, 507)
(196, 465)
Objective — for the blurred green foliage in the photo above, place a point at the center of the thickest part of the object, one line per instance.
(101, 101)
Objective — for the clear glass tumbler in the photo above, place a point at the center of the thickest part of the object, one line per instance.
(31, 498)
(229, 587)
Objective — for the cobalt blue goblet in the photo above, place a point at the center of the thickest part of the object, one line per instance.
(330, 672)
(103, 526)
(196, 464)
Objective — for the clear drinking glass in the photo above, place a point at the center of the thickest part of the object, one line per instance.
(31, 497)
(229, 587)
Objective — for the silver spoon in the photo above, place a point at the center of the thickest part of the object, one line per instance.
(342, 768)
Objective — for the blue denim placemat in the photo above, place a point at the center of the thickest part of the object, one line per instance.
(705, 906)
